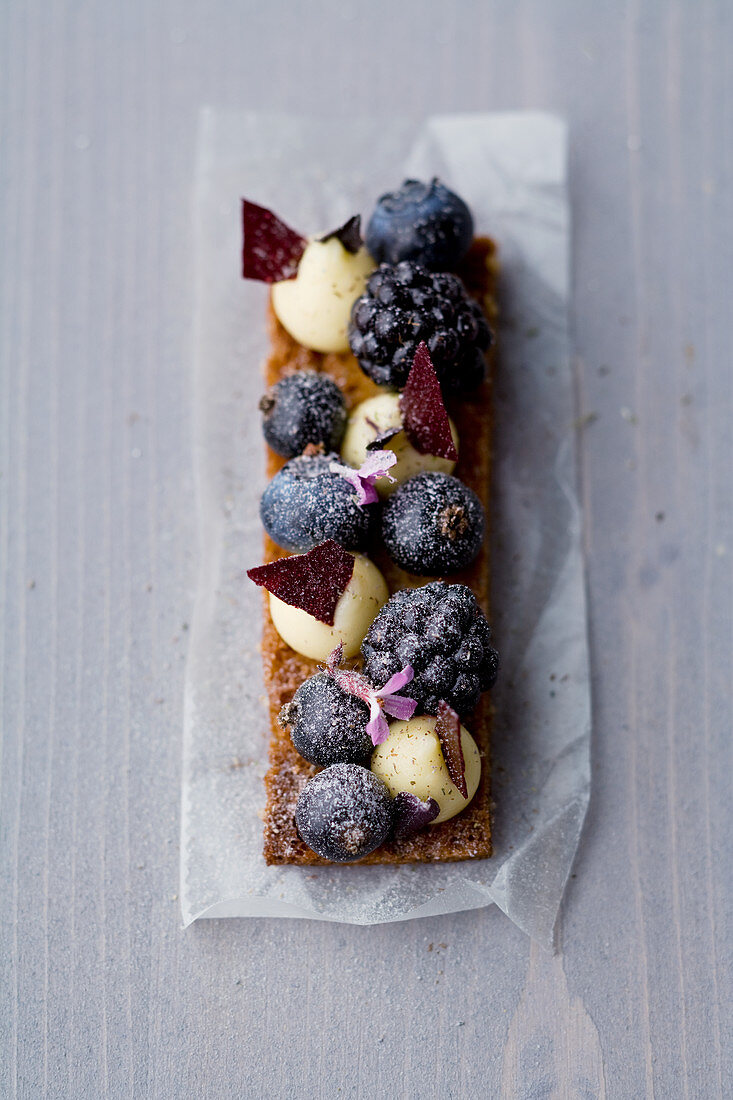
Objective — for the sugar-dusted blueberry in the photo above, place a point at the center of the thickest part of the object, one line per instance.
(327, 724)
(433, 524)
(344, 813)
(420, 221)
(307, 503)
(305, 407)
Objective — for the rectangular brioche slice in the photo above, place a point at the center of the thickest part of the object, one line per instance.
(468, 835)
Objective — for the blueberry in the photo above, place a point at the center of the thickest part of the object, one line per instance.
(306, 407)
(305, 504)
(433, 524)
(420, 221)
(327, 724)
(344, 813)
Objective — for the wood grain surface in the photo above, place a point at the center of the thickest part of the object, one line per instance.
(101, 993)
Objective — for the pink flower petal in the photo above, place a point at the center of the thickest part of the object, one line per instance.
(365, 493)
(377, 463)
(398, 681)
(380, 701)
(349, 475)
(368, 493)
(399, 706)
(377, 727)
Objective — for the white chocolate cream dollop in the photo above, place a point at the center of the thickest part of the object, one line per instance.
(384, 411)
(315, 306)
(411, 760)
(362, 599)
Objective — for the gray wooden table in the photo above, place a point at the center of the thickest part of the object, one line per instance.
(102, 994)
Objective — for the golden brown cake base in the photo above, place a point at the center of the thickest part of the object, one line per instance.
(467, 836)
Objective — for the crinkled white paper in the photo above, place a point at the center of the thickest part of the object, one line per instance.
(511, 170)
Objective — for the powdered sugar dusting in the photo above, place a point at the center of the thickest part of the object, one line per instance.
(433, 524)
(344, 812)
(306, 503)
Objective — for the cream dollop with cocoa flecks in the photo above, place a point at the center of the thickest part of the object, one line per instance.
(364, 596)
(411, 760)
(382, 414)
(315, 306)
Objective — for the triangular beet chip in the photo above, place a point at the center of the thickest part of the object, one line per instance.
(314, 582)
(423, 412)
(411, 813)
(349, 234)
(271, 250)
(448, 729)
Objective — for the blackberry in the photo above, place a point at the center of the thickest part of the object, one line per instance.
(305, 504)
(433, 524)
(344, 813)
(327, 724)
(444, 632)
(306, 407)
(404, 304)
(420, 221)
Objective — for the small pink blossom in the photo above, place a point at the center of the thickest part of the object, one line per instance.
(375, 465)
(381, 700)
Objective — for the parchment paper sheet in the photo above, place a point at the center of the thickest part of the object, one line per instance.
(510, 168)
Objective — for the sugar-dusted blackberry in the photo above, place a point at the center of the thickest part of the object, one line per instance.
(306, 503)
(405, 304)
(433, 524)
(344, 813)
(327, 724)
(419, 221)
(447, 637)
(306, 407)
